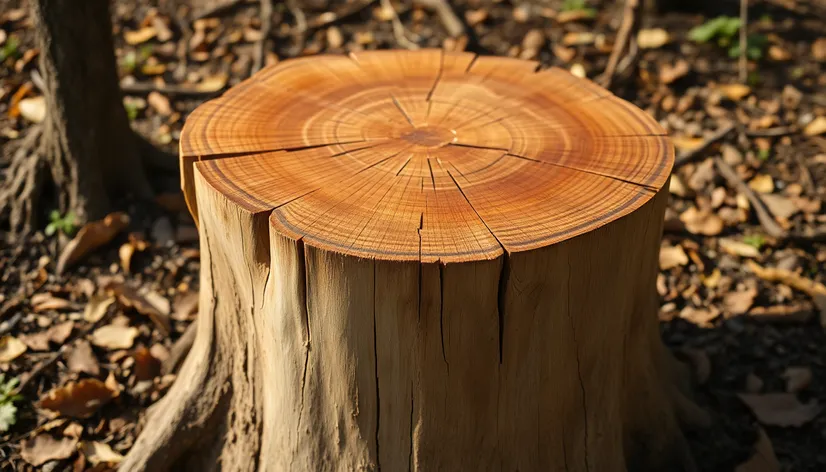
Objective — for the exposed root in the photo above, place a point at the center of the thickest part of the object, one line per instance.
(22, 184)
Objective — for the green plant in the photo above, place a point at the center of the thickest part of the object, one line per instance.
(764, 154)
(723, 30)
(10, 48)
(578, 5)
(756, 241)
(8, 412)
(131, 110)
(65, 224)
(131, 60)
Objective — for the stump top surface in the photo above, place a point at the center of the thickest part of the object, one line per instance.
(426, 155)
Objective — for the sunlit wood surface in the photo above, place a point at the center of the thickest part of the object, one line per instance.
(425, 155)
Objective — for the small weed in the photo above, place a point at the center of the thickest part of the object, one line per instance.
(8, 412)
(578, 5)
(756, 241)
(723, 30)
(764, 154)
(131, 110)
(66, 224)
(11, 49)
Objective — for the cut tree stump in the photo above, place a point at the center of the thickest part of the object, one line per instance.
(422, 260)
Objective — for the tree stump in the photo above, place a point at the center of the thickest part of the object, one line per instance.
(423, 260)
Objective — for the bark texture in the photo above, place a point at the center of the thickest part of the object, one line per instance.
(86, 144)
(306, 359)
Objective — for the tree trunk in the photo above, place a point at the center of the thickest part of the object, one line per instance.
(445, 263)
(86, 140)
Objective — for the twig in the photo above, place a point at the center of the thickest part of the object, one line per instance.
(261, 44)
(769, 132)
(146, 87)
(447, 16)
(56, 355)
(323, 20)
(220, 7)
(398, 29)
(624, 37)
(816, 290)
(763, 214)
(744, 21)
(10, 323)
(689, 155)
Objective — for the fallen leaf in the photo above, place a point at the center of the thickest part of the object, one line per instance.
(780, 206)
(797, 379)
(140, 36)
(90, 237)
(764, 459)
(11, 348)
(212, 83)
(57, 334)
(46, 301)
(700, 316)
(186, 305)
(677, 187)
(735, 92)
(159, 103)
(146, 366)
(814, 128)
(652, 38)
(672, 256)
(114, 337)
(738, 248)
(670, 73)
(81, 359)
(100, 453)
(151, 304)
(780, 409)
(713, 279)
(762, 183)
(78, 399)
(96, 308)
(44, 448)
(702, 222)
(73, 430)
(737, 303)
(777, 53)
(33, 109)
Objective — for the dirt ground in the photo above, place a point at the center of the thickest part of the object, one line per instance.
(743, 201)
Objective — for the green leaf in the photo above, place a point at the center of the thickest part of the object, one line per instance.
(756, 241)
(6, 387)
(8, 416)
(722, 27)
(51, 229)
(10, 49)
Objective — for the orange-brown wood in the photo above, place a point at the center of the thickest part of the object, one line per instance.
(426, 155)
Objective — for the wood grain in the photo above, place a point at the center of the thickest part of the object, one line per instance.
(426, 155)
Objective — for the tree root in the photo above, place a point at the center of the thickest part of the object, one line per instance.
(22, 184)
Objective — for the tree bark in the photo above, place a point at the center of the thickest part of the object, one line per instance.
(412, 303)
(86, 142)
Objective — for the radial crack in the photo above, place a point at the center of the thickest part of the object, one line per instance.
(586, 171)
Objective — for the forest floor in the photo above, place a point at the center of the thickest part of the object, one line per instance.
(92, 346)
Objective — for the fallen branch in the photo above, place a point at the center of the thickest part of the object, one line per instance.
(816, 290)
(763, 214)
(261, 45)
(689, 155)
(624, 37)
(447, 16)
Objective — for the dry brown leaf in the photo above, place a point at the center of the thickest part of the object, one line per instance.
(186, 305)
(81, 359)
(738, 248)
(33, 109)
(90, 237)
(11, 348)
(212, 83)
(763, 459)
(762, 183)
(44, 448)
(57, 334)
(699, 316)
(713, 279)
(146, 366)
(159, 103)
(652, 38)
(140, 36)
(735, 92)
(78, 399)
(737, 303)
(152, 305)
(797, 379)
(672, 256)
(100, 453)
(114, 337)
(702, 222)
(781, 409)
(670, 73)
(46, 301)
(73, 430)
(816, 127)
(96, 308)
